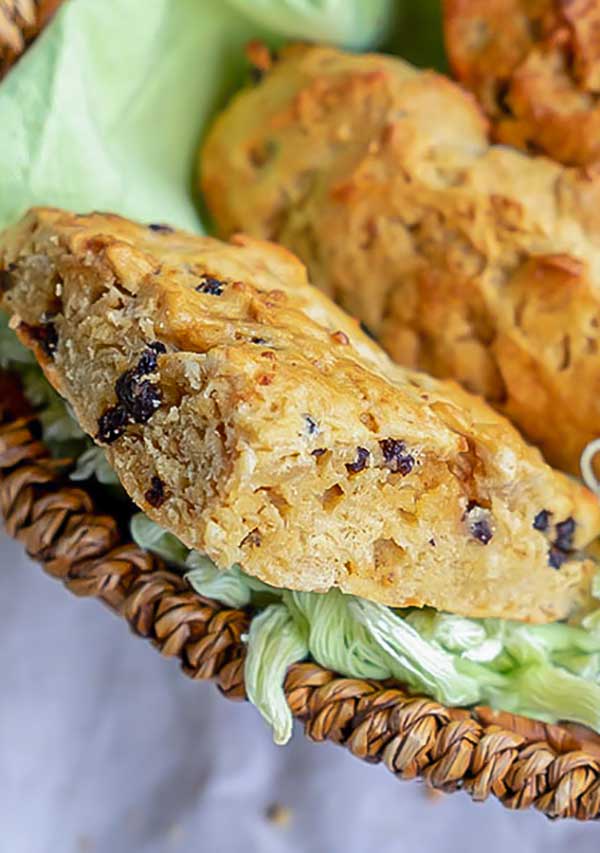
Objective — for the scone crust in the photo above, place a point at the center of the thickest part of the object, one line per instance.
(465, 259)
(246, 413)
(535, 68)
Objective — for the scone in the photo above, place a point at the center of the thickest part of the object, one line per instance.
(535, 67)
(465, 259)
(243, 411)
(20, 22)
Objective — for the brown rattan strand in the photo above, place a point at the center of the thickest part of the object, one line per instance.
(20, 22)
(555, 769)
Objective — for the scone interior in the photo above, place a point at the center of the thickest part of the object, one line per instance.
(248, 415)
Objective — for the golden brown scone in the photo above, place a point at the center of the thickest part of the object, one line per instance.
(535, 66)
(464, 259)
(21, 21)
(247, 414)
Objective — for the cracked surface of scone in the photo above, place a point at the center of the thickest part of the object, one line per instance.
(465, 259)
(250, 416)
(535, 67)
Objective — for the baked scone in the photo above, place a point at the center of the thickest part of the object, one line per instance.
(535, 67)
(464, 259)
(21, 21)
(243, 411)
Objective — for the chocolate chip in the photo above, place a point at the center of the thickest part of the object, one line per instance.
(564, 534)
(542, 519)
(148, 360)
(432, 542)
(261, 341)
(156, 493)
(145, 402)
(362, 457)
(141, 398)
(312, 427)
(211, 285)
(478, 520)
(394, 457)
(253, 539)
(111, 425)
(556, 557)
(481, 531)
(126, 387)
(318, 452)
(46, 336)
(161, 228)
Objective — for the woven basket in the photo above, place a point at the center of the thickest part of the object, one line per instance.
(555, 769)
(524, 763)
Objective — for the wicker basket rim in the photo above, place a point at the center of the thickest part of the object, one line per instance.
(524, 763)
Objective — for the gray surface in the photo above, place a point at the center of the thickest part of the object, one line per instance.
(106, 748)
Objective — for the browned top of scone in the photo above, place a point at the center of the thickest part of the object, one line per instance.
(535, 67)
(464, 258)
(247, 414)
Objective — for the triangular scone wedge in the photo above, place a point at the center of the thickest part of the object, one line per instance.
(248, 415)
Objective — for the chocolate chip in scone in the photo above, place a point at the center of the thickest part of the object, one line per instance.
(312, 427)
(253, 539)
(145, 402)
(478, 522)
(126, 387)
(46, 336)
(556, 557)
(261, 341)
(361, 461)
(148, 359)
(481, 531)
(155, 495)
(140, 397)
(211, 285)
(542, 520)
(111, 425)
(565, 531)
(394, 457)
(161, 228)
(318, 452)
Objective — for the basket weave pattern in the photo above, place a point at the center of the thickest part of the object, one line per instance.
(555, 769)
